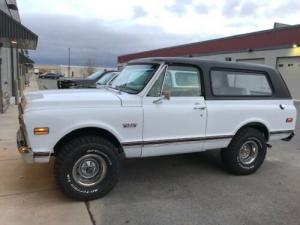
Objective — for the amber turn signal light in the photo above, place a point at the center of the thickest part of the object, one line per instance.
(41, 131)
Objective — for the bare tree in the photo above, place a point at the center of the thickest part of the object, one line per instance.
(89, 67)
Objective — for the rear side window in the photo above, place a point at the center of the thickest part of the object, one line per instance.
(236, 83)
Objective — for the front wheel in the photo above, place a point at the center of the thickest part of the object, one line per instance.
(246, 152)
(87, 167)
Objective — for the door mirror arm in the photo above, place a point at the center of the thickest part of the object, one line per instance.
(165, 95)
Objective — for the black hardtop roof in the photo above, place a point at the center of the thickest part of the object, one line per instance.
(280, 89)
(202, 62)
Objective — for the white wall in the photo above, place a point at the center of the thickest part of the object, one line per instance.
(270, 56)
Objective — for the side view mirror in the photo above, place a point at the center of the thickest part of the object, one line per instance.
(164, 95)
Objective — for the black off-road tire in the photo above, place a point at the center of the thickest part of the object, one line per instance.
(230, 155)
(76, 148)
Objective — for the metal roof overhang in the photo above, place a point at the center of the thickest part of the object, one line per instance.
(25, 59)
(13, 32)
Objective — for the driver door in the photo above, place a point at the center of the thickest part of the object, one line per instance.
(174, 123)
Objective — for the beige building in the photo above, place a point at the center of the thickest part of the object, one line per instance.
(15, 63)
(75, 71)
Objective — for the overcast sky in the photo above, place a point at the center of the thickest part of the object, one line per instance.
(103, 29)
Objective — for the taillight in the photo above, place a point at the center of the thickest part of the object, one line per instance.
(289, 119)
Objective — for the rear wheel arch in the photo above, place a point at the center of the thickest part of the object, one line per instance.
(258, 126)
(246, 152)
(87, 131)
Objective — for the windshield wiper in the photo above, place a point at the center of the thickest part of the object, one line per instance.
(126, 89)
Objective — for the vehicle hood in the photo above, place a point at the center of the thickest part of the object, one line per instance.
(71, 98)
(76, 80)
(76, 83)
(73, 79)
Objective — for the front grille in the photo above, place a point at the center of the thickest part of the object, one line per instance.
(21, 140)
(21, 121)
(20, 108)
(59, 85)
(20, 117)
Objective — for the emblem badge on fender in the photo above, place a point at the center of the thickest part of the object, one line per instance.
(129, 125)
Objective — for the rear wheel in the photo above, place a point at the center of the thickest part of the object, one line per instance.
(246, 152)
(87, 167)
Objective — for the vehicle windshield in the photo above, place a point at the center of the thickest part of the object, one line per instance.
(110, 82)
(105, 78)
(95, 75)
(133, 78)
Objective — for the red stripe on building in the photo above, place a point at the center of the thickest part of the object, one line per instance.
(273, 38)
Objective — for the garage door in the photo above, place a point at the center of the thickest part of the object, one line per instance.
(257, 61)
(290, 71)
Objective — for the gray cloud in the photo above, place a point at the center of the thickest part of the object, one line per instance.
(179, 7)
(230, 8)
(237, 8)
(139, 12)
(248, 9)
(93, 39)
(201, 9)
(287, 7)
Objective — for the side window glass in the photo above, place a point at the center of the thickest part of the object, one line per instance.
(182, 81)
(234, 83)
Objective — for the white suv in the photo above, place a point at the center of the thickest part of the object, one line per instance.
(156, 106)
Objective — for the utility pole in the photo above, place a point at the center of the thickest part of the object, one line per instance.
(69, 63)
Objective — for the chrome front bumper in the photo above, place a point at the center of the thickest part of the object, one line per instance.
(27, 154)
(23, 149)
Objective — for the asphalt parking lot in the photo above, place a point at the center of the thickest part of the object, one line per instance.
(189, 189)
(195, 189)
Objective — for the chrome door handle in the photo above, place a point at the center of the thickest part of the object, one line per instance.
(199, 107)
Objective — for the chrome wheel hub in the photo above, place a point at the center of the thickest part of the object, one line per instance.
(248, 152)
(89, 170)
